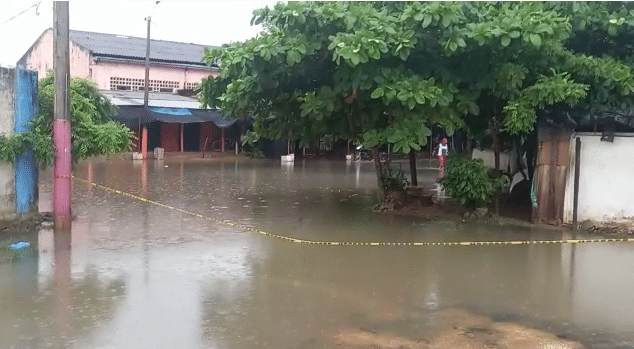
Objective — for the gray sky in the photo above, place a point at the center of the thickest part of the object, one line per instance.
(200, 22)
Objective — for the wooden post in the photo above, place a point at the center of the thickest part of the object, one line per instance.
(575, 205)
(61, 124)
(552, 190)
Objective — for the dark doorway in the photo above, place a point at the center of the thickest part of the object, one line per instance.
(153, 135)
(191, 137)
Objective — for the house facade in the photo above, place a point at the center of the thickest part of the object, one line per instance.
(117, 62)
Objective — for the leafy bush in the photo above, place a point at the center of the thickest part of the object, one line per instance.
(93, 133)
(255, 153)
(467, 181)
(394, 180)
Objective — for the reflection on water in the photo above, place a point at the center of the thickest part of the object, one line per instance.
(142, 276)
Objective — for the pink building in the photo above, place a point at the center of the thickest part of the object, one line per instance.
(116, 63)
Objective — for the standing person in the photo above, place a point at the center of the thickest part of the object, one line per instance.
(441, 154)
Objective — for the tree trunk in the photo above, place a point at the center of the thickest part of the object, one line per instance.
(469, 147)
(378, 166)
(412, 167)
(496, 147)
(495, 135)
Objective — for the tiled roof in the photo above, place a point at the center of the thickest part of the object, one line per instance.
(122, 46)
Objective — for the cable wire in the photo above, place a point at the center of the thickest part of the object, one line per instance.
(37, 12)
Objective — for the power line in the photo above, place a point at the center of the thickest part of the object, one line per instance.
(37, 12)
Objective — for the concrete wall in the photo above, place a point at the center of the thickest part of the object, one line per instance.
(18, 104)
(26, 171)
(488, 156)
(606, 183)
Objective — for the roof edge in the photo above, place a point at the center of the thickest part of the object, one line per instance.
(142, 38)
(154, 62)
(22, 60)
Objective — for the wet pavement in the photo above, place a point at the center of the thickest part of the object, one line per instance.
(143, 276)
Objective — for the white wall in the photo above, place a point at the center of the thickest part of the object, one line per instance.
(488, 156)
(606, 181)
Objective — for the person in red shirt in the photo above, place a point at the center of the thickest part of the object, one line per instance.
(442, 150)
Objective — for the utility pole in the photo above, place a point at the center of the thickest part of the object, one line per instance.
(146, 90)
(575, 200)
(61, 123)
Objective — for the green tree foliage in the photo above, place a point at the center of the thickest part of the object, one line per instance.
(93, 133)
(385, 72)
(467, 181)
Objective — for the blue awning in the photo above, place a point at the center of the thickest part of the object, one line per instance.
(171, 111)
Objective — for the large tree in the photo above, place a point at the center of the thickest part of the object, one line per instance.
(386, 72)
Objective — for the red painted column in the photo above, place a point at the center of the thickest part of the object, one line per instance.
(144, 143)
(62, 170)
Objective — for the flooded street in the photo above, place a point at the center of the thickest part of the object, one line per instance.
(143, 276)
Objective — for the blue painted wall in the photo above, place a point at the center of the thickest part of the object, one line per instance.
(26, 171)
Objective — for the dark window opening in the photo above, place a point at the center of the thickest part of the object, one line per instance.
(154, 135)
(191, 137)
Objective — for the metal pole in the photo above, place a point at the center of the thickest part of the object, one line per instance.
(182, 142)
(575, 205)
(61, 124)
(146, 90)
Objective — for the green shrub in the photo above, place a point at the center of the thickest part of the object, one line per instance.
(467, 181)
(93, 133)
(251, 150)
(255, 153)
(394, 180)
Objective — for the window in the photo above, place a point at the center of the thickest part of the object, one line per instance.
(118, 83)
(191, 85)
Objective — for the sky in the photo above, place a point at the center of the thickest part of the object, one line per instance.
(200, 22)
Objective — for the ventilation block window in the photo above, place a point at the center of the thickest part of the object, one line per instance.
(119, 83)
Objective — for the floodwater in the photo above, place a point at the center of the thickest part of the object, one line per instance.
(144, 276)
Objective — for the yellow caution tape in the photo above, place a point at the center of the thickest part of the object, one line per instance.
(346, 243)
